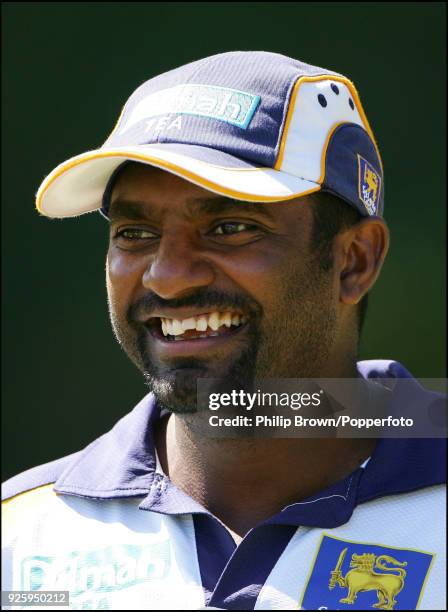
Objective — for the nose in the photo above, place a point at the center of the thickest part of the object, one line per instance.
(178, 267)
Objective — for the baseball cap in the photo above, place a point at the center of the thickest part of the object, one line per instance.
(250, 125)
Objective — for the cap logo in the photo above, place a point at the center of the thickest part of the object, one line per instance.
(369, 185)
(220, 103)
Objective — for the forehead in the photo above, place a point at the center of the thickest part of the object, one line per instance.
(139, 187)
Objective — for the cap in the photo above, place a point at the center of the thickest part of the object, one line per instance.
(250, 125)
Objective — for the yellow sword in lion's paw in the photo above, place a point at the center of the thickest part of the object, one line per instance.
(336, 573)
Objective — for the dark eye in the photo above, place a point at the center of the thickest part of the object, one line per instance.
(133, 234)
(228, 229)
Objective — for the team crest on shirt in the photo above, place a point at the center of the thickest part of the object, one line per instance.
(369, 185)
(362, 576)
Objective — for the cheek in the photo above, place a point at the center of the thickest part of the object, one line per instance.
(260, 258)
(123, 279)
(265, 270)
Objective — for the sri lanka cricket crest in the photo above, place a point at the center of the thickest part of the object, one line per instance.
(369, 185)
(361, 576)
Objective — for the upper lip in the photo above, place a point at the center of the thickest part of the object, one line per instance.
(187, 313)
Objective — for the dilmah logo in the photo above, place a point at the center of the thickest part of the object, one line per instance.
(219, 103)
(96, 572)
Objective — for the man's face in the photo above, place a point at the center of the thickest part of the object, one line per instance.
(240, 274)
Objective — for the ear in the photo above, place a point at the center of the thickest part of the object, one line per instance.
(360, 253)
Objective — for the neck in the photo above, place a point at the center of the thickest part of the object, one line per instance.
(229, 477)
(243, 482)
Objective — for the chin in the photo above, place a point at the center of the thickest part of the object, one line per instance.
(176, 390)
(175, 385)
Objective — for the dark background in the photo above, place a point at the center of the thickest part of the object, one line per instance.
(67, 70)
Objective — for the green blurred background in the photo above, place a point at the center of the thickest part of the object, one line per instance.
(67, 70)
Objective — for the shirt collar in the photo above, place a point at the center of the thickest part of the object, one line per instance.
(122, 463)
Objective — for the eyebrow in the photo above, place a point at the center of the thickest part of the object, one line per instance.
(126, 209)
(136, 210)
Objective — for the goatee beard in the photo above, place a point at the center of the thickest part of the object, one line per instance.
(176, 389)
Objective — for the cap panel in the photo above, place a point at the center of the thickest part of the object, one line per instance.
(235, 102)
(353, 169)
(159, 82)
(320, 104)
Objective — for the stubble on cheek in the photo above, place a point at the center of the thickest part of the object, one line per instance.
(298, 336)
(126, 335)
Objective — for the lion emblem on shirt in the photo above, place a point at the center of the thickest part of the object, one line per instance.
(362, 577)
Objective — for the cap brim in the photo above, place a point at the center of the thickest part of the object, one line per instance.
(77, 186)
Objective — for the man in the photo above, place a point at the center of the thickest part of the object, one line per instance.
(244, 194)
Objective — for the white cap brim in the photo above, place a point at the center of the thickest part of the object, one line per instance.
(77, 186)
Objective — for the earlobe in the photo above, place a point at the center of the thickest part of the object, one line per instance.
(364, 248)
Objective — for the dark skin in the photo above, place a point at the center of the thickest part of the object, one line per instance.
(185, 240)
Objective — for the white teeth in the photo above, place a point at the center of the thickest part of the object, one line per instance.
(201, 323)
(226, 319)
(188, 324)
(213, 321)
(176, 328)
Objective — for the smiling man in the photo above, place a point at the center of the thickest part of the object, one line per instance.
(244, 195)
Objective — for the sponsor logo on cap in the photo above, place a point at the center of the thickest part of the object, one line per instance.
(220, 103)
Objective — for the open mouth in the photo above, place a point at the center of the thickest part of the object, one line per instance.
(206, 325)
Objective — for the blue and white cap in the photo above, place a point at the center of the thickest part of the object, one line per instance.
(250, 125)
